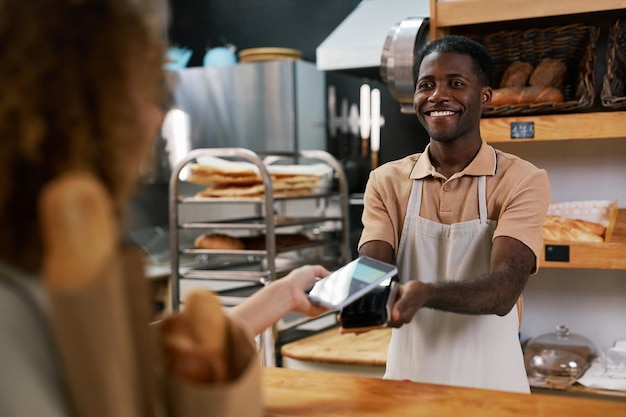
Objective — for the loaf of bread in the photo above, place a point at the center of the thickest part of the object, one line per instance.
(525, 95)
(558, 234)
(218, 241)
(549, 72)
(516, 75)
(562, 229)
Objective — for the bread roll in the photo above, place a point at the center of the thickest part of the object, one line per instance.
(516, 75)
(525, 95)
(548, 73)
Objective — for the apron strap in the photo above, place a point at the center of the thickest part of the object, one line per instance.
(415, 201)
(520, 310)
(482, 199)
(482, 209)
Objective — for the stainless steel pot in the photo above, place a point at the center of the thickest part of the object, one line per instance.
(397, 69)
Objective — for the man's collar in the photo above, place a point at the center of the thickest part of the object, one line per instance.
(484, 163)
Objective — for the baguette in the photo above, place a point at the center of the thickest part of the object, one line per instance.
(196, 339)
(559, 234)
(525, 95)
(562, 229)
(78, 228)
(205, 317)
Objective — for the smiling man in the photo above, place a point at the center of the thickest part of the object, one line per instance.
(462, 221)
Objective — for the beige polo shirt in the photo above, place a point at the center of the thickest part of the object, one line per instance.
(518, 195)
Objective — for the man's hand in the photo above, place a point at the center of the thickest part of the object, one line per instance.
(412, 296)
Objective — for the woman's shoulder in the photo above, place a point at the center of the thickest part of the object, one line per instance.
(22, 310)
(27, 352)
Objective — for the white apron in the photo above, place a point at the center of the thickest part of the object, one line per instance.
(481, 351)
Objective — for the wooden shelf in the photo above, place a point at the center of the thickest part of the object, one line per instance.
(449, 13)
(598, 125)
(608, 255)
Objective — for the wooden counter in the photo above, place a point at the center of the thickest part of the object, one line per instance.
(294, 393)
(366, 355)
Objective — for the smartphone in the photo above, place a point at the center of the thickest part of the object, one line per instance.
(350, 282)
(371, 311)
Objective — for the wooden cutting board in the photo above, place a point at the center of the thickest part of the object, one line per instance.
(332, 347)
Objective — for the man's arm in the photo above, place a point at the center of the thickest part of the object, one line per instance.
(493, 293)
(378, 249)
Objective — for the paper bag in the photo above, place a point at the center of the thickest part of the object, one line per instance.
(240, 397)
(104, 353)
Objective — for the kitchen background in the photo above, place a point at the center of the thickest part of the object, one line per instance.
(591, 302)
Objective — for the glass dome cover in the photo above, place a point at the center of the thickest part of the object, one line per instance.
(558, 358)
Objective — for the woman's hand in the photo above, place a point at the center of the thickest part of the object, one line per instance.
(297, 283)
(271, 303)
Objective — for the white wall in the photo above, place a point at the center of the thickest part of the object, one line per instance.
(579, 169)
(590, 302)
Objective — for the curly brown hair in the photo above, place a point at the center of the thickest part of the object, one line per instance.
(73, 74)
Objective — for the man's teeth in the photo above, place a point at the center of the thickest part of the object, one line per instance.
(441, 113)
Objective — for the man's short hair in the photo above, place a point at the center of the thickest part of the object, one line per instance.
(462, 45)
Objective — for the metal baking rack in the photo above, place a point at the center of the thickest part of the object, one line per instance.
(249, 270)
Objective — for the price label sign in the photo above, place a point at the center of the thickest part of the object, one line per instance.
(522, 130)
(557, 253)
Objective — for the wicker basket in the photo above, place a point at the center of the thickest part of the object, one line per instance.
(573, 44)
(613, 89)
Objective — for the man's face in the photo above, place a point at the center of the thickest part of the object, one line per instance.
(449, 96)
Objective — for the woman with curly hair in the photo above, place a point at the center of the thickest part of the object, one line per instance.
(81, 90)
(81, 86)
(81, 83)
